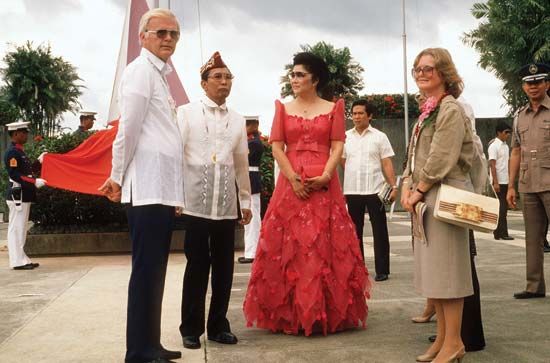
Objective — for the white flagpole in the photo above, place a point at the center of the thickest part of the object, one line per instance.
(200, 29)
(405, 93)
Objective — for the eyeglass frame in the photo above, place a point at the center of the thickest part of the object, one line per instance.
(222, 76)
(299, 74)
(172, 32)
(425, 70)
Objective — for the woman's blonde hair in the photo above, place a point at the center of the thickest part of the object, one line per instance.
(155, 13)
(445, 66)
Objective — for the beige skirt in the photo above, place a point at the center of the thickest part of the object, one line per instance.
(442, 264)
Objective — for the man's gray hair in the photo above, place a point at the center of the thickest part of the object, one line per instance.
(155, 13)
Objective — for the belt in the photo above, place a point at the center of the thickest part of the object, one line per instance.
(253, 168)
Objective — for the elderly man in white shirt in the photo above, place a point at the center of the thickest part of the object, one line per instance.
(147, 175)
(367, 161)
(499, 155)
(215, 159)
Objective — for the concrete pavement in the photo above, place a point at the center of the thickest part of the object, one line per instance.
(72, 309)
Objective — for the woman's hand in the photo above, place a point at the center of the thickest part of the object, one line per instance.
(405, 194)
(317, 183)
(414, 198)
(299, 189)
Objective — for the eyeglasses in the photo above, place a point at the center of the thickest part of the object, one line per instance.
(293, 75)
(428, 71)
(162, 33)
(220, 76)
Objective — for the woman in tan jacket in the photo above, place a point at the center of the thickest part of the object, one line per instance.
(441, 151)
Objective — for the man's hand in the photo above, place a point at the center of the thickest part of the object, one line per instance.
(496, 186)
(511, 197)
(246, 216)
(111, 190)
(179, 211)
(39, 183)
(393, 195)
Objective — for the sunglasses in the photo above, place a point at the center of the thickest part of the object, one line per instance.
(163, 33)
(428, 71)
(293, 75)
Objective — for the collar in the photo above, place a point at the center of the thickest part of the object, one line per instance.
(545, 103)
(213, 105)
(354, 130)
(498, 141)
(162, 66)
(17, 146)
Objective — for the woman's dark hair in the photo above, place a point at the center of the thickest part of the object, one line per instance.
(314, 65)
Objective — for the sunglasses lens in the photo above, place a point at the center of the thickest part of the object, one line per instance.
(162, 33)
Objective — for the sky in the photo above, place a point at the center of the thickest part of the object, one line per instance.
(256, 39)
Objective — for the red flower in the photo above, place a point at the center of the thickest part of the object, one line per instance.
(38, 138)
(388, 99)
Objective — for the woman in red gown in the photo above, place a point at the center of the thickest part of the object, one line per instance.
(308, 274)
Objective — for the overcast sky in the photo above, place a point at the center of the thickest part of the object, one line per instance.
(256, 39)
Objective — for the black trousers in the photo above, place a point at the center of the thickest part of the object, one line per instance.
(207, 243)
(357, 206)
(472, 325)
(502, 226)
(151, 233)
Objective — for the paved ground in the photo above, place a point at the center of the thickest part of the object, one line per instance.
(72, 309)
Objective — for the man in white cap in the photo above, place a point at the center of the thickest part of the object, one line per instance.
(87, 119)
(21, 192)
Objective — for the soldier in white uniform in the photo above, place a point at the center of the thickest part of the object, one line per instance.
(21, 192)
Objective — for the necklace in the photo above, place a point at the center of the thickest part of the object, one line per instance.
(207, 133)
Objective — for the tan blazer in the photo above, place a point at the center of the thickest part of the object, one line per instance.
(444, 149)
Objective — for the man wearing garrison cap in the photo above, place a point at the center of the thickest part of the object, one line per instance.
(215, 169)
(87, 119)
(530, 160)
(20, 193)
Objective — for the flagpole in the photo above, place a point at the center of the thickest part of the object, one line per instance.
(200, 28)
(405, 93)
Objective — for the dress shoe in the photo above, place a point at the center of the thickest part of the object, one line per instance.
(35, 264)
(546, 247)
(457, 357)
(423, 318)
(160, 360)
(426, 357)
(28, 266)
(191, 342)
(245, 260)
(381, 277)
(507, 238)
(169, 354)
(225, 337)
(528, 295)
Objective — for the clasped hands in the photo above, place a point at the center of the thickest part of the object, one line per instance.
(309, 185)
(410, 198)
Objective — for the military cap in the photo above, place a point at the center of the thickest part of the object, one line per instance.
(87, 114)
(19, 125)
(534, 72)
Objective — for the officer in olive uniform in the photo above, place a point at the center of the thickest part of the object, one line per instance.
(255, 151)
(21, 192)
(530, 160)
(87, 119)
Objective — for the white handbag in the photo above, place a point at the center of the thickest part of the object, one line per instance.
(466, 209)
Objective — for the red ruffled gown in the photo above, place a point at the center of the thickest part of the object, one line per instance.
(308, 274)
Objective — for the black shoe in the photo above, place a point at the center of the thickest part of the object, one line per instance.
(35, 265)
(28, 266)
(245, 260)
(169, 354)
(381, 277)
(507, 238)
(546, 248)
(191, 342)
(225, 337)
(528, 295)
(432, 338)
(160, 360)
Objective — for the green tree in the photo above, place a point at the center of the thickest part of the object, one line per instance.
(41, 86)
(345, 79)
(511, 34)
(8, 112)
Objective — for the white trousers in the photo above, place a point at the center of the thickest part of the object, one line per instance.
(252, 230)
(17, 233)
